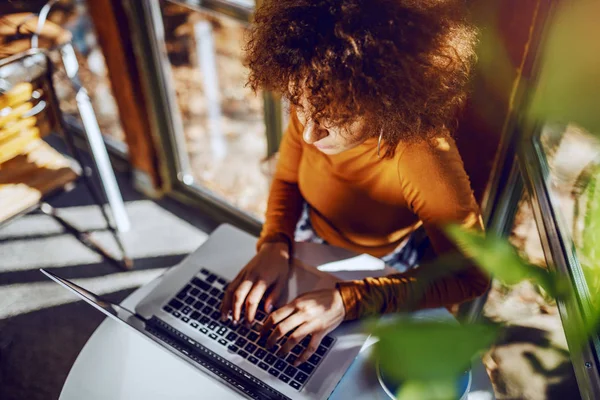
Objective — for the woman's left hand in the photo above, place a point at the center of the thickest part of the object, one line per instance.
(315, 313)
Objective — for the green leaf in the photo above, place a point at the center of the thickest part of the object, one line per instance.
(439, 390)
(429, 351)
(500, 259)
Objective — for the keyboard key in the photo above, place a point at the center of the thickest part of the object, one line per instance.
(291, 371)
(261, 316)
(270, 359)
(327, 341)
(223, 342)
(263, 365)
(291, 358)
(201, 284)
(301, 377)
(250, 347)
(215, 292)
(182, 295)
(211, 278)
(241, 342)
(295, 385)
(216, 315)
(284, 378)
(274, 372)
(305, 342)
(306, 367)
(257, 327)
(196, 315)
(297, 349)
(321, 351)
(203, 296)
(233, 348)
(243, 353)
(204, 330)
(262, 342)
(212, 325)
(204, 320)
(199, 305)
(221, 295)
(176, 304)
(207, 310)
(222, 331)
(314, 359)
(253, 359)
(176, 314)
(243, 330)
(252, 336)
(194, 324)
(212, 301)
(231, 336)
(186, 310)
(280, 365)
(212, 336)
(168, 309)
(195, 292)
(260, 353)
(204, 271)
(189, 300)
(221, 281)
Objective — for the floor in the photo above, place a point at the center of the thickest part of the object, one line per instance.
(42, 326)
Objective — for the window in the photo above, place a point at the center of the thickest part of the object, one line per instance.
(224, 142)
(570, 159)
(73, 15)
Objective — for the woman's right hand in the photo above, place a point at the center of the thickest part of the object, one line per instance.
(267, 271)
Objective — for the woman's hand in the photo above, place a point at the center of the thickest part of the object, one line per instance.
(268, 270)
(315, 313)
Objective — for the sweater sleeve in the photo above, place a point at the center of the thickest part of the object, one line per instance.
(285, 201)
(438, 191)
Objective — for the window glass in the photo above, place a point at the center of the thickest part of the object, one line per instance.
(572, 160)
(223, 122)
(73, 15)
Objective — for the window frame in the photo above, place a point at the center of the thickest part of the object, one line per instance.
(561, 259)
(148, 38)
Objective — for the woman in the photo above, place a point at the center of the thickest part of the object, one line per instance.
(375, 88)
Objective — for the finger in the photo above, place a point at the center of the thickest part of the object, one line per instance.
(285, 326)
(273, 297)
(228, 298)
(312, 347)
(238, 299)
(276, 317)
(253, 299)
(296, 337)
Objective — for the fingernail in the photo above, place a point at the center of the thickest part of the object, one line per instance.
(270, 308)
(235, 323)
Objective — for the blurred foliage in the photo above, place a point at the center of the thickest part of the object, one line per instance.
(434, 354)
(500, 259)
(568, 88)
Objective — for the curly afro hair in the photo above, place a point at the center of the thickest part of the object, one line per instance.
(402, 66)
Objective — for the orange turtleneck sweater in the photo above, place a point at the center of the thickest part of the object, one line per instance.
(368, 204)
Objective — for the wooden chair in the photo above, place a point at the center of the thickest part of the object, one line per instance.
(31, 171)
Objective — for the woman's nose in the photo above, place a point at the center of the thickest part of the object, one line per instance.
(313, 133)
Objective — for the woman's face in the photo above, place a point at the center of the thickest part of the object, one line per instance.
(330, 139)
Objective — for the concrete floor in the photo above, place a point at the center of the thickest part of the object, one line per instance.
(42, 326)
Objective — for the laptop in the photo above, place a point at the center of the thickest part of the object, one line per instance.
(182, 314)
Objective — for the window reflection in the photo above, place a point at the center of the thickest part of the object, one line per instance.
(573, 160)
(222, 120)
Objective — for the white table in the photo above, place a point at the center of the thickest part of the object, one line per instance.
(118, 363)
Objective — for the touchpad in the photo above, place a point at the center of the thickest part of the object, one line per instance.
(303, 279)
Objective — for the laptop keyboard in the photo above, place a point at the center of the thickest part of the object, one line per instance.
(198, 304)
